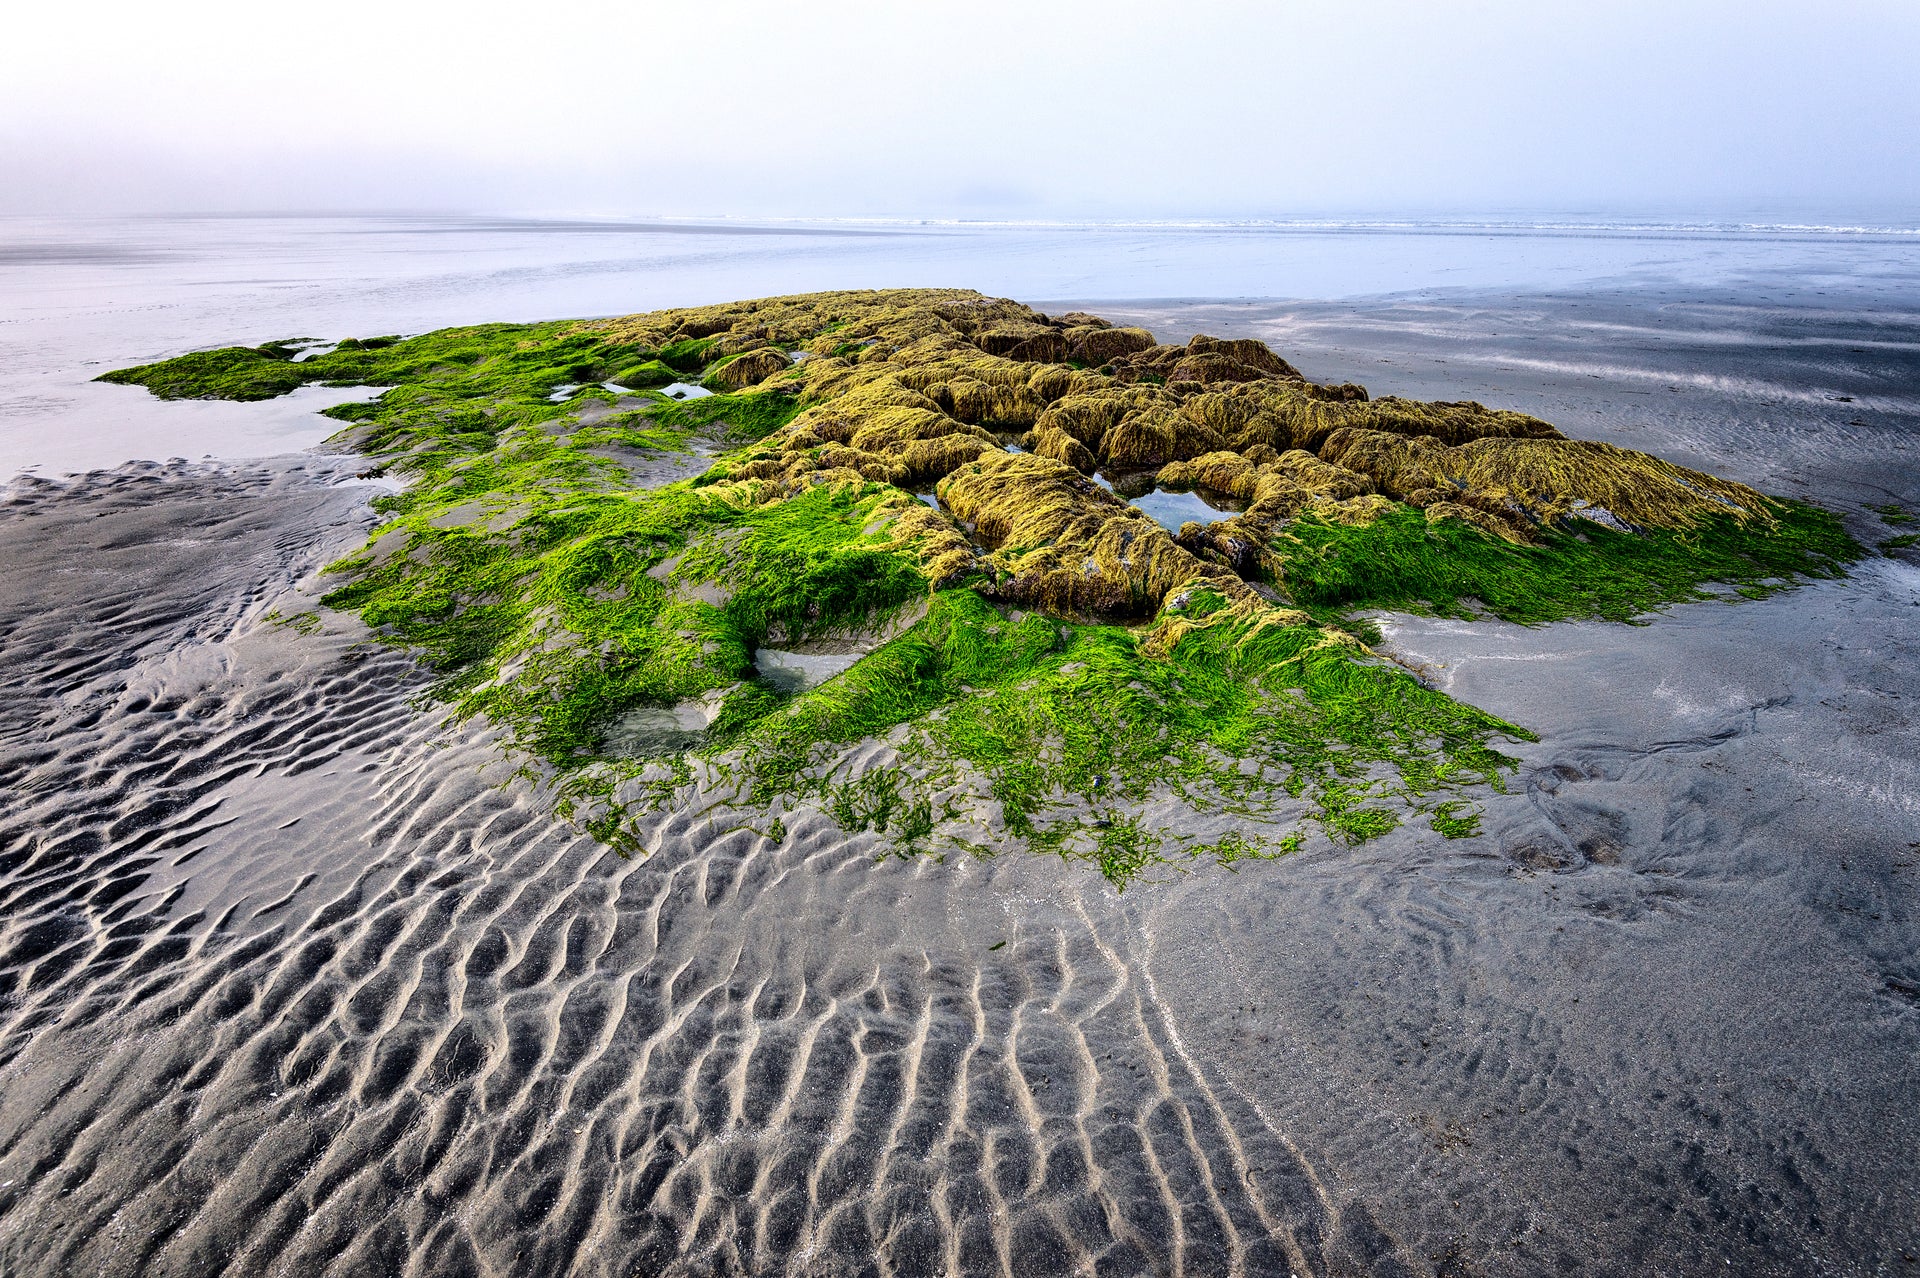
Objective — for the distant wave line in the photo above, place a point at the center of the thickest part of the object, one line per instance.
(1436, 226)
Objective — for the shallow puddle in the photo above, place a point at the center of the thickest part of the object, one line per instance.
(684, 390)
(797, 672)
(649, 730)
(1170, 509)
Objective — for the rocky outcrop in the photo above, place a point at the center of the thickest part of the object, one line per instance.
(918, 389)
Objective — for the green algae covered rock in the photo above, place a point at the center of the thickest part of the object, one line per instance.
(1046, 663)
(235, 372)
(644, 375)
(747, 369)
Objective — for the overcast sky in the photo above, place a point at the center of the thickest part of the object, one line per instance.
(978, 109)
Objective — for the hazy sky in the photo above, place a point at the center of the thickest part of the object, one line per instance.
(977, 109)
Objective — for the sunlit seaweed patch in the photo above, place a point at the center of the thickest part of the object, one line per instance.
(599, 569)
(1401, 561)
(573, 608)
(1052, 732)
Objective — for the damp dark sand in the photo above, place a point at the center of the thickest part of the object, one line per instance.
(295, 978)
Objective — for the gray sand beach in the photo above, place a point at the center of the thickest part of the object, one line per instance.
(296, 977)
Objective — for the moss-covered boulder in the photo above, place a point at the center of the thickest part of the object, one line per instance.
(234, 372)
(748, 369)
(644, 375)
(1103, 343)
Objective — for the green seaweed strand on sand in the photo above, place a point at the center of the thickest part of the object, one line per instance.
(576, 554)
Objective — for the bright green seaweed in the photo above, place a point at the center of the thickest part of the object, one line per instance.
(1054, 713)
(1402, 562)
(562, 557)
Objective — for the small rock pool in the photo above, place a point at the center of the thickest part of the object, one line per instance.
(1170, 507)
(797, 672)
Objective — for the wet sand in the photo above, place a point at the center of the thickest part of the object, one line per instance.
(294, 977)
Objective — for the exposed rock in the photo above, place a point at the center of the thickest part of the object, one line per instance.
(1050, 441)
(737, 340)
(1209, 369)
(1540, 481)
(1089, 416)
(907, 388)
(974, 401)
(1099, 344)
(1505, 529)
(1353, 511)
(944, 553)
(1016, 340)
(1223, 472)
(644, 375)
(1145, 437)
(748, 369)
(1246, 350)
(1397, 464)
(1547, 478)
(1060, 542)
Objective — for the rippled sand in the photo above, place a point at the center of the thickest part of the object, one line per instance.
(296, 978)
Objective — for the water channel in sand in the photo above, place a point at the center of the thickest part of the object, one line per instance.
(296, 977)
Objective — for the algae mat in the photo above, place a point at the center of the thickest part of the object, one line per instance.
(922, 480)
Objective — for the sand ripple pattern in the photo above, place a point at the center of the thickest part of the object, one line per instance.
(294, 979)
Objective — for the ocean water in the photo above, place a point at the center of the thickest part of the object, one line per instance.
(79, 297)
